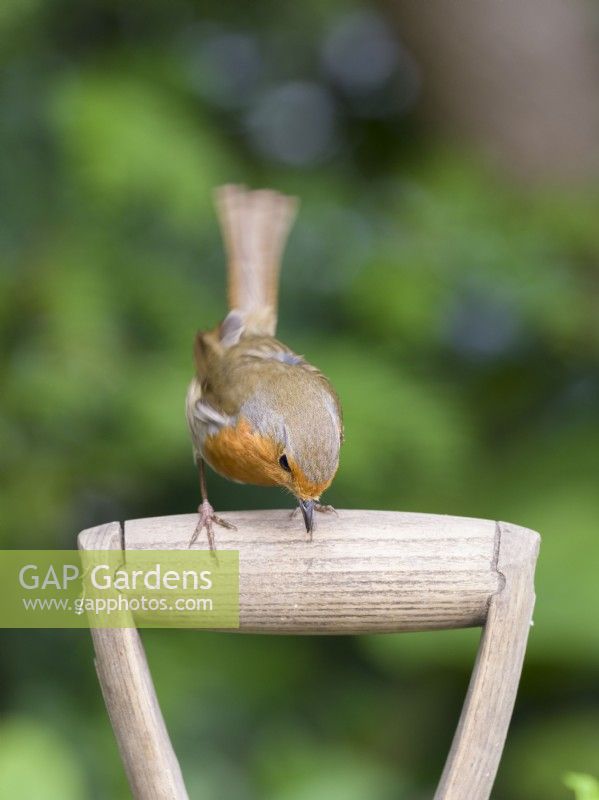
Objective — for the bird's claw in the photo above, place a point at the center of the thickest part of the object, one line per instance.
(324, 509)
(207, 520)
(320, 507)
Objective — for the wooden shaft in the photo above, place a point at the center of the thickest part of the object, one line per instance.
(143, 741)
(478, 742)
(364, 572)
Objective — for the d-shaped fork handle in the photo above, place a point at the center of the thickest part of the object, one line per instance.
(364, 572)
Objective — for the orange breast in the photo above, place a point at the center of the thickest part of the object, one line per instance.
(241, 454)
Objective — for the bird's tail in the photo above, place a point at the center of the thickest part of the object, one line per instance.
(255, 225)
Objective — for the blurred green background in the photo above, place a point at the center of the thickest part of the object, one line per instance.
(443, 273)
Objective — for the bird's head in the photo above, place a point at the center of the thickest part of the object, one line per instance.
(279, 440)
(307, 472)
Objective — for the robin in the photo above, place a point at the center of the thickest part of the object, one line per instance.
(258, 412)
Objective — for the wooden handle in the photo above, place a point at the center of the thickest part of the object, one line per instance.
(143, 741)
(365, 572)
(478, 742)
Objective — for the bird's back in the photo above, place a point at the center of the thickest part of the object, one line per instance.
(253, 399)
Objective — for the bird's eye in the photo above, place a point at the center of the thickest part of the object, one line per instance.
(284, 463)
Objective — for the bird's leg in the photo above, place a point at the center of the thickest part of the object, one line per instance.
(207, 516)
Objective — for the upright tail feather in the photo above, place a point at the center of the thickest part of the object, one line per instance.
(255, 225)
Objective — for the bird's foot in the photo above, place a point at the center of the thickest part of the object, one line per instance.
(324, 509)
(320, 507)
(207, 520)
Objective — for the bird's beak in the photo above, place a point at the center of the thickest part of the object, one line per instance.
(307, 509)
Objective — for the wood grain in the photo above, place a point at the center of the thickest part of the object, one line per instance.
(478, 743)
(364, 571)
(143, 741)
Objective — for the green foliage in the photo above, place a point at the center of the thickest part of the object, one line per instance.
(157, 157)
(292, 769)
(583, 786)
(539, 753)
(35, 763)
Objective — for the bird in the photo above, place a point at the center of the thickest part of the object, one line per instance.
(258, 412)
